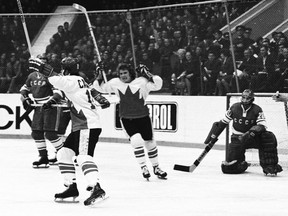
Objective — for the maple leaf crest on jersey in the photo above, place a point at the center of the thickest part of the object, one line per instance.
(128, 110)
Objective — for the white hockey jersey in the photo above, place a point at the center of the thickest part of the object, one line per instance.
(83, 110)
(132, 95)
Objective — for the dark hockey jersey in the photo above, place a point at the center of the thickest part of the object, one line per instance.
(37, 85)
(243, 119)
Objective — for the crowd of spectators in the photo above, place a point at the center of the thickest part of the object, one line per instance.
(184, 46)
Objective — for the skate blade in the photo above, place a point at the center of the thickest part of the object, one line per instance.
(41, 166)
(66, 200)
(53, 164)
(97, 201)
(162, 178)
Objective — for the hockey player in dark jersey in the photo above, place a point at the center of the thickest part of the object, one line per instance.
(249, 130)
(45, 122)
(134, 113)
(86, 128)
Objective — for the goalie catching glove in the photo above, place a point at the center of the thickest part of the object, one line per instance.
(251, 134)
(144, 71)
(104, 103)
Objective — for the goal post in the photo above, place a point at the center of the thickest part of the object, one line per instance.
(276, 114)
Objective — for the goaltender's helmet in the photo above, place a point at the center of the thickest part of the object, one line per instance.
(247, 97)
(70, 66)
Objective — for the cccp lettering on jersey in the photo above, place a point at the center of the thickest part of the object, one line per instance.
(38, 83)
(244, 121)
(16, 115)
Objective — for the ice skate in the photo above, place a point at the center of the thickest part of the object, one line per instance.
(145, 172)
(272, 170)
(43, 162)
(70, 192)
(159, 173)
(97, 195)
(53, 161)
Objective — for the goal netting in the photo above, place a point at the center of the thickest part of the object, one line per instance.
(276, 114)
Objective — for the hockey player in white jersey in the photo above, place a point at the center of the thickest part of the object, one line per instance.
(134, 113)
(86, 129)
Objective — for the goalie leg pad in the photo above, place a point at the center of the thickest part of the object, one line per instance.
(268, 154)
(215, 131)
(236, 150)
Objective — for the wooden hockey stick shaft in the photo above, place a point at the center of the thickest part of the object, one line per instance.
(24, 26)
(83, 10)
(191, 168)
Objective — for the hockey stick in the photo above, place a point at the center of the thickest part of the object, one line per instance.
(83, 10)
(24, 27)
(53, 105)
(191, 168)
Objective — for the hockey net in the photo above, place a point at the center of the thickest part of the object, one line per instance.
(276, 114)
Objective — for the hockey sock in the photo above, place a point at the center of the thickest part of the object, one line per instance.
(139, 152)
(89, 169)
(66, 165)
(152, 152)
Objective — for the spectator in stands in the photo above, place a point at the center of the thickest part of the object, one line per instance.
(19, 69)
(248, 68)
(67, 33)
(55, 62)
(225, 74)
(265, 70)
(239, 42)
(192, 78)
(178, 85)
(5, 39)
(248, 41)
(166, 52)
(212, 67)
(4, 79)
(59, 36)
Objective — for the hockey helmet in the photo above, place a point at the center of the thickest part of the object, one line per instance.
(70, 66)
(247, 97)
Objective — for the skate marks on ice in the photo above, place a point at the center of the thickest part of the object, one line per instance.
(28, 191)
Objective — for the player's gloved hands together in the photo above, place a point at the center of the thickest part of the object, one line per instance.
(144, 71)
(49, 103)
(27, 103)
(104, 103)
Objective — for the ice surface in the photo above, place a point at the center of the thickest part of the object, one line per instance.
(28, 192)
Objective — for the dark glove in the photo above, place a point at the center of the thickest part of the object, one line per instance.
(27, 103)
(49, 103)
(104, 103)
(36, 65)
(144, 71)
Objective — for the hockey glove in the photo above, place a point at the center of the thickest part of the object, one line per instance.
(104, 103)
(250, 135)
(36, 65)
(27, 103)
(144, 71)
(49, 103)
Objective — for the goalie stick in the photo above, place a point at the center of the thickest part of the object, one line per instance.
(191, 168)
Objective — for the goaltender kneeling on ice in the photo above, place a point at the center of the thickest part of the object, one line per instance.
(249, 130)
